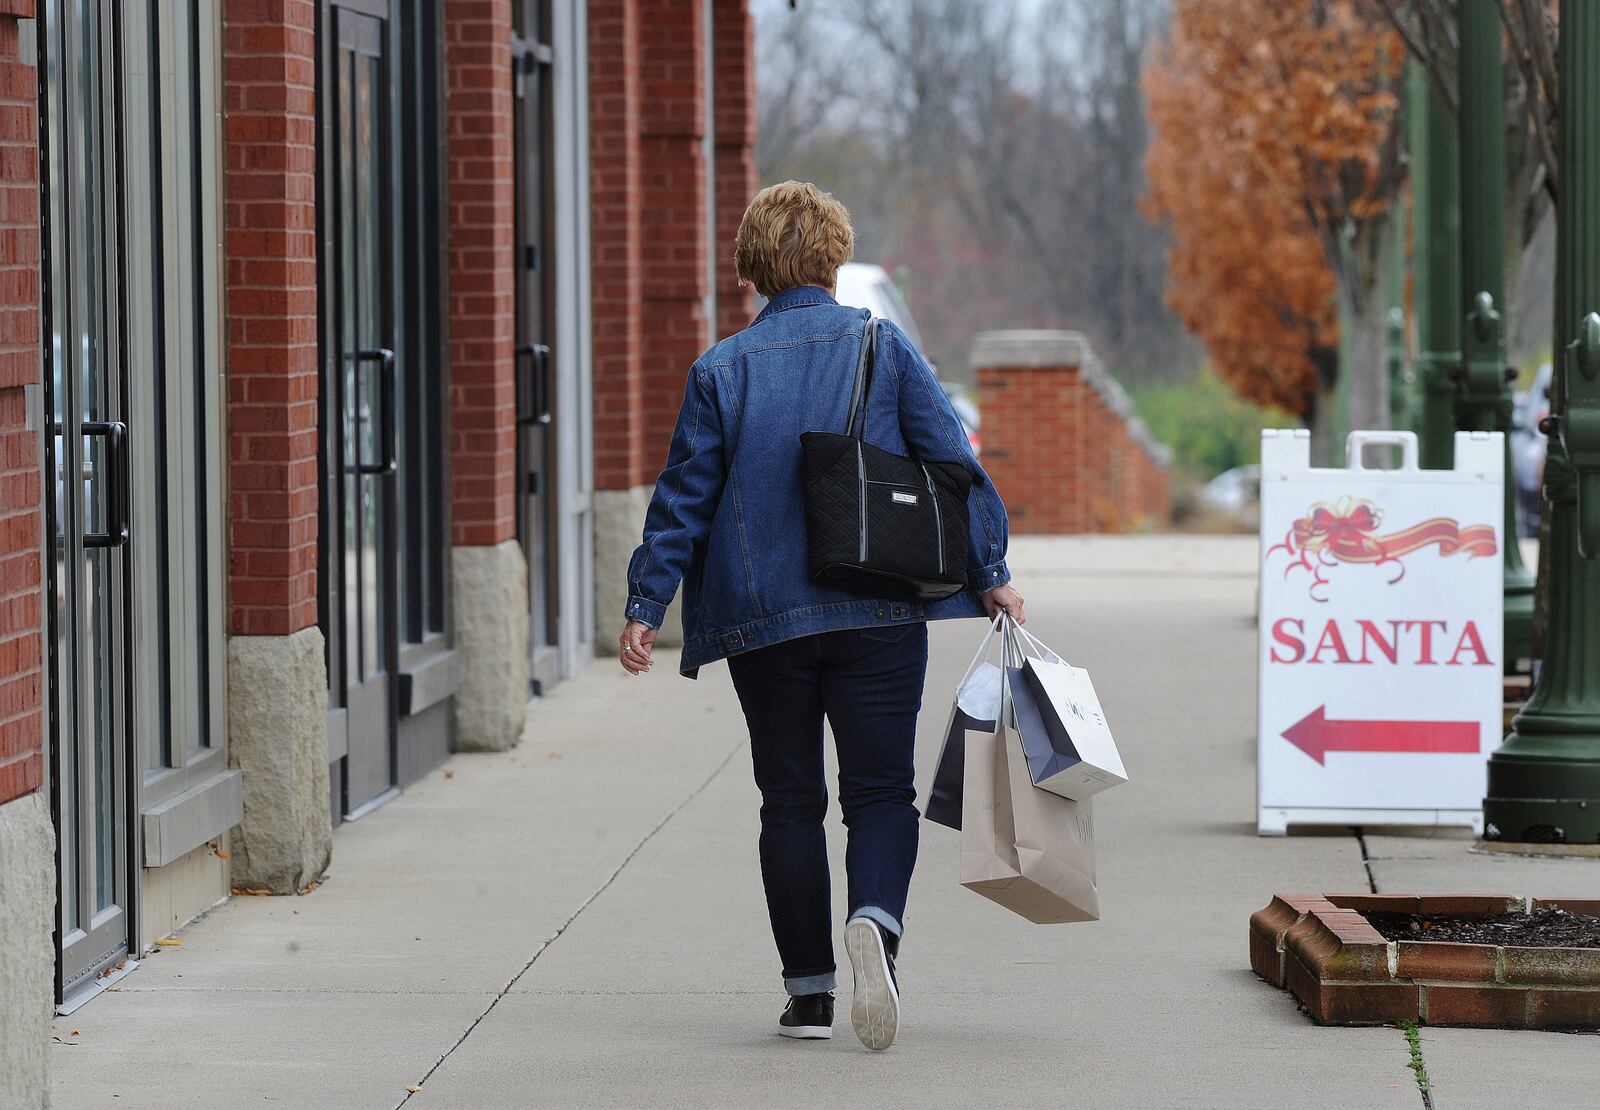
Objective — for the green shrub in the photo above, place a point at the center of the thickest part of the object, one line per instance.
(1209, 428)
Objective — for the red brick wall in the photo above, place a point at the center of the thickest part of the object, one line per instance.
(269, 73)
(616, 242)
(21, 674)
(482, 191)
(1061, 454)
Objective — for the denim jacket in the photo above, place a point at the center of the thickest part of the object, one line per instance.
(727, 519)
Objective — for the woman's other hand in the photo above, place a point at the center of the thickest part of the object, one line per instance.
(634, 645)
(1004, 597)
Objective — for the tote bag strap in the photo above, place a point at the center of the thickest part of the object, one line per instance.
(863, 386)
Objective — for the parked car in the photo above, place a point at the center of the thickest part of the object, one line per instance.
(1236, 492)
(1528, 449)
(863, 285)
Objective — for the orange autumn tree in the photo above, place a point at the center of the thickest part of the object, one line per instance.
(1273, 158)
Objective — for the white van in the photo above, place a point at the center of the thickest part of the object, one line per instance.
(863, 285)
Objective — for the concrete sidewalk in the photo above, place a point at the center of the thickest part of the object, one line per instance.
(580, 922)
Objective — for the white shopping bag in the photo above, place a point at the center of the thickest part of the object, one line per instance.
(1077, 756)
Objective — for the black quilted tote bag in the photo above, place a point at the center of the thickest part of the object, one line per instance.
(878, 523)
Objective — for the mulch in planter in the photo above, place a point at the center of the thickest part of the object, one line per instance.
(1547, 927)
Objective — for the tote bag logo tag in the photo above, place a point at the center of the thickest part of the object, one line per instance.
(903, 498)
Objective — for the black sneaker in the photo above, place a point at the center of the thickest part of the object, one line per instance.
(809, 1017)
(875, 1012)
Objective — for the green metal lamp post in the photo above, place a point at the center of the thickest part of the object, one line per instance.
(1483, 387)
(1436, 199)
(1544, 783)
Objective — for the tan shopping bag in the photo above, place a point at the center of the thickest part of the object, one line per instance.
(1025, 848)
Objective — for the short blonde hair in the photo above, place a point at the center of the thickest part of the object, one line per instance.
(792, 234)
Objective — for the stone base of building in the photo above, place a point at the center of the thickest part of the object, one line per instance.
(489, 592)
(278, 737)
(27, 950)
(175, 894)
(618, 525)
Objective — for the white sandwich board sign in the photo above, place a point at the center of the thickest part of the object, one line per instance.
(1380, 655)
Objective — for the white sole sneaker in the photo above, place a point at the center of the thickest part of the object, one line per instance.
(806, 1032)
(875, 1012)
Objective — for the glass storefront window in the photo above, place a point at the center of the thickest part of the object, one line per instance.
(170, 180)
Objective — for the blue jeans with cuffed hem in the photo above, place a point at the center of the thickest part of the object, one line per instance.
(867, 684)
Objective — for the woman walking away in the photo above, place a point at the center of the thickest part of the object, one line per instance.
(728, 522)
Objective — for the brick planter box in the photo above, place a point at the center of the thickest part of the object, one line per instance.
(1343, 971)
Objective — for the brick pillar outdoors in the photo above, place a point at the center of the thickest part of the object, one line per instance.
(271, 220)
(672, 121)
(733, 81)
(488, 570)
(651, 269)
(482, 191)
(616, 245)
(21, 673)
(27, 837)
(277, 679)
(1035, 411)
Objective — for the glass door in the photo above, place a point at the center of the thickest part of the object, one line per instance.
(86, 463)
(536, 434)
(359, 409)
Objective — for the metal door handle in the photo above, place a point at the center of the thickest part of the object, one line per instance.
(387, 389)
(115, 433)
(538, 411)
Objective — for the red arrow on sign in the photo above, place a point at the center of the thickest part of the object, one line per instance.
(1315, 735)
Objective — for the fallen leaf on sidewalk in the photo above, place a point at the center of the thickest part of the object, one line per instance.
(449, 774)
(168, 942)
(252, 891)
(414, 1088)
(220, 852)
(74, 1033)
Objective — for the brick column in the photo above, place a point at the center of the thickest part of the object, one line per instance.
(482, 213)
(651, 269)
(271, 219)
(277, 730)
(616, 245)
(1036, 421)
(27, 838)
(672, 119)
(733, 81)
(21, 673)
(489, 572)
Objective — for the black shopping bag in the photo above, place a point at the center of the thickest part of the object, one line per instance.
(944, 800)
(973, 709)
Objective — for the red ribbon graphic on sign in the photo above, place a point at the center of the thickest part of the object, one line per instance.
(1346, 532)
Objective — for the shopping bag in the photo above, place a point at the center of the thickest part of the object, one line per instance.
(1073, 753)
(1029, 850)
(975, 709)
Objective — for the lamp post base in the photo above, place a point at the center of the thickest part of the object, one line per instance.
(1542, 801)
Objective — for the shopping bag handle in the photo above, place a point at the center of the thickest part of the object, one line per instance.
(983, 650)
(1026, 640)
(1045, 650)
